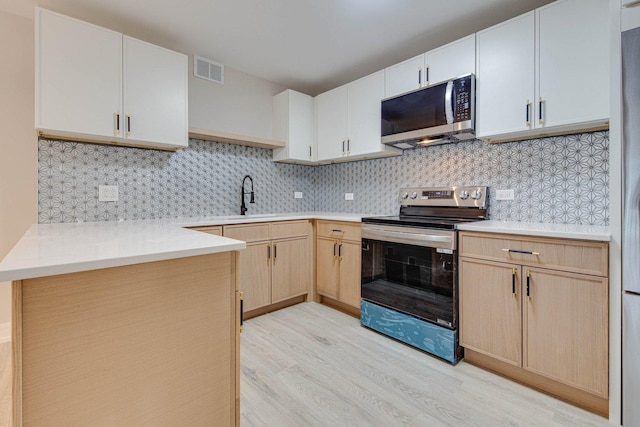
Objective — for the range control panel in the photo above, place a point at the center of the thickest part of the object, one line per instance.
(444, 196)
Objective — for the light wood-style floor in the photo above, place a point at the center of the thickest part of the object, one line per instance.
(309, 365)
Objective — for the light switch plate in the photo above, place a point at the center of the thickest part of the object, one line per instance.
(297, 194)
(107, 193)
(504, 194)
(348, 196)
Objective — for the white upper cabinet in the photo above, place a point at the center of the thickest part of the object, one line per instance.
(332, 123)
(348, 121)
(78, 77)
(446, 62)
(293, 122)
(451, 60)
(537, 77)
(573, 65)
(505, 79)
(94, 84)
(155, 94)
(365, 102)
(404, 77)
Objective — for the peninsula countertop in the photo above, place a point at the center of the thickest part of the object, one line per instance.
(51, 249)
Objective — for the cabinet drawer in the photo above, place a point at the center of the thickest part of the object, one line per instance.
(578, 256)
(280, 230)
(216, 230)
(247, 232)
(340, 230)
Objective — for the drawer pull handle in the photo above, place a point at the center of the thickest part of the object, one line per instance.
(336, 231)
(513, 281)
(517, 251)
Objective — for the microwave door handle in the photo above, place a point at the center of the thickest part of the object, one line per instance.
(449, 102)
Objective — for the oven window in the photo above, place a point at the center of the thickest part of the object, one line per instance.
(413, 279)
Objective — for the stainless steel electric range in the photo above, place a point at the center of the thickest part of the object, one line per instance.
(409, 282)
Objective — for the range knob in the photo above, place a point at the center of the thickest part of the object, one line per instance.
(475, 195)
(414, 195)
(464, 194)
(404, 195)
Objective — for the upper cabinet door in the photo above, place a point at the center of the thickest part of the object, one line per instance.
(78, 77)
(293, 122)
(505, 77)
(404, 77)
(155, 94)
(365, 101)
(332, 123)
(450, 61)
(573, 65)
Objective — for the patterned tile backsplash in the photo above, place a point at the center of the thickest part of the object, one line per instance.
(561, 179)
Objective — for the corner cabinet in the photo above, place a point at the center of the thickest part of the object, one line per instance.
(293, 122)
(276, 265)
(536, 78)
(536, 310)
(338, 253)
(94, 84)
(348, 121)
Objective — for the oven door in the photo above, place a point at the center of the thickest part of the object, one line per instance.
(411, 270)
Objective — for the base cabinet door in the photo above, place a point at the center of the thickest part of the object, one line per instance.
(349, 273)
(566, 328)
(327, 267)
(253, 274)
(291, 273)
(490, 309)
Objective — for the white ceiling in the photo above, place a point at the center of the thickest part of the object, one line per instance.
(307, 45)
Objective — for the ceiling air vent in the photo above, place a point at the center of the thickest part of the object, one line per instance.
(208, 69)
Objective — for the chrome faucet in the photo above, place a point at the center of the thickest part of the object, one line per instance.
(243, 207)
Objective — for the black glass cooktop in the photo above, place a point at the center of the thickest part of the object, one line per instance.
(419, 221)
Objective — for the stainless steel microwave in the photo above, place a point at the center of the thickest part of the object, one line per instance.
(437, 114)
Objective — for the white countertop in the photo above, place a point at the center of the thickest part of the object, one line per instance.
(50, 249)
(536, 229)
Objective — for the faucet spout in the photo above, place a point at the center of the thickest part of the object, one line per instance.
(243, 206)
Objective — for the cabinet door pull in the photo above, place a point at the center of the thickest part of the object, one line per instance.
(340, 251)
(128, 125)
(241, 310)
(309, 152)
(514, 273)
(540, 102)
(529, 284)
(517, 251)
(334, 248)
(117, 114)
(343, 141)
(419, 76)
(348, 146)
(268, 252)
(275, 252)
(426, 77)
(528, 122)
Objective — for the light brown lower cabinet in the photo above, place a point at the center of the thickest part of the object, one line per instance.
(146, 344)
(338, 252)
(522, 316)
(276, 266)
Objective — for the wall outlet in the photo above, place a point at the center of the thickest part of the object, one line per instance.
(297, 194)
(348, 196)
(504, 194)
(107, 193)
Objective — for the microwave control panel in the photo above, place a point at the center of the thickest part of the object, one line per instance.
(463, 99)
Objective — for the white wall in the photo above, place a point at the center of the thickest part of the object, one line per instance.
(18, 142)
(242, 105)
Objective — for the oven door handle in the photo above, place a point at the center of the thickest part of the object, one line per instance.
(419, 239)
